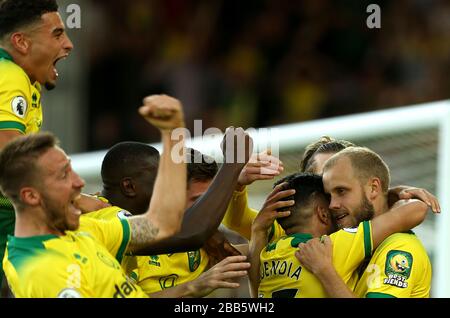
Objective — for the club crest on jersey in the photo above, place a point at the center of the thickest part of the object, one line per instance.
(195, 259)
(19, 106)
(398, 268)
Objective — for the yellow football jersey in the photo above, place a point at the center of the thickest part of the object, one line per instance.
(159, 272)
(78, 264)
(20, 100)
(239, 217)
(128, 262)
(399, 267)
(282, 275)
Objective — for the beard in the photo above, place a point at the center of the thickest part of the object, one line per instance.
(366, 211)
(55, 216)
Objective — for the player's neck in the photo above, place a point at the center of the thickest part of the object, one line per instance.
(24, 63)
(380, 206)
(116, 198)
(31, 223)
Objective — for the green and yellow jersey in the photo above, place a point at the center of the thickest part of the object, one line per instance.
(82, 263)
(282, 275)
(128, 262)
(239, 217)
(20, 100)
(20, 110)
(158, 272)
(399, 267)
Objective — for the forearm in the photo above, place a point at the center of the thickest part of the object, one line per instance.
(404, 216)
(178, 291)
(411, 214)
(169, 195)
(257, 243)
(6, 136)
(211, 207)
(333, 284)
(203, 218)
(239, 217)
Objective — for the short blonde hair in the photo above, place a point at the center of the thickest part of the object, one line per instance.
(365, 163)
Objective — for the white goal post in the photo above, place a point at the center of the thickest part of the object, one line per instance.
(413, 140)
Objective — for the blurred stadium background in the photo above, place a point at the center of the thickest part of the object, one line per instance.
(260, 63)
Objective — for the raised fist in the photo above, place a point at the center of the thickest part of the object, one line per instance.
(163, 112)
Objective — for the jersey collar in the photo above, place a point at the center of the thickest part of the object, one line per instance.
(5, 55)
(30, 242)
(300, 238)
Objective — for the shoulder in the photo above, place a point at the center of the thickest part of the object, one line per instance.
(282, 246)
(402, 240)
(12, 74)
(108, 213)
(404, 246)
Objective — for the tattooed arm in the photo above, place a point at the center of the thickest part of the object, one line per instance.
(164, 215)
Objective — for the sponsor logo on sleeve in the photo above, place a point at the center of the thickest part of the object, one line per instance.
(398, 268)
(19, 106)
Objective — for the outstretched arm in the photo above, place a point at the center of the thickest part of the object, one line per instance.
(204, 217)
(164, 215)
(403, 216)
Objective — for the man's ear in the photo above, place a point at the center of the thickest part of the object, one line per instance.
(323, 213)
(374, 187)
(128, 187)
(20, 42)
(30, 196)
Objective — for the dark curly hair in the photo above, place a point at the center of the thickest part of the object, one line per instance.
(15, 14)
(200, 167)
(308, 187)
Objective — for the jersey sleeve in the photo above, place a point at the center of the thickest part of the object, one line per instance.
(114, 234)
(14, 100)
(239, 217)
(403, 271)
(350, 248)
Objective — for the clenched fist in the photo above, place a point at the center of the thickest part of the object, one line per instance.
(163, 112)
